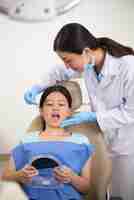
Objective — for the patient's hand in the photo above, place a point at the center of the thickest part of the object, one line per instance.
(25, 174)
(63, 174)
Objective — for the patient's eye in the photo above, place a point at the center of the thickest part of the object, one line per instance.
(61, 104)
(49, 104)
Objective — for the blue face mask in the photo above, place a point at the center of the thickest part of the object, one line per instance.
(89, 66)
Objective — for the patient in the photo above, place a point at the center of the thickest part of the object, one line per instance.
(53, 163)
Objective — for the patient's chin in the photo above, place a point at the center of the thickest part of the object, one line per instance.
(55, 125)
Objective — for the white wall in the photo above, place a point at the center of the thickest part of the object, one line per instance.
(26, 53)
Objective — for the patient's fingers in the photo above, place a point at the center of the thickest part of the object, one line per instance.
(30, 171)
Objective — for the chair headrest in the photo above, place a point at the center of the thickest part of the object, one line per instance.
(75, 91)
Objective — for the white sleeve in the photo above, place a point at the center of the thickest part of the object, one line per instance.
(58, 73)
(124, 113)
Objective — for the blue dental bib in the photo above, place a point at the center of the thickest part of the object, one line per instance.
(72, 152)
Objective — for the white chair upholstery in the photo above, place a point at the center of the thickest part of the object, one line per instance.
(11, 191)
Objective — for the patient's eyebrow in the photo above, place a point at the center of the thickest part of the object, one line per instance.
(48, 101)
(59, 100)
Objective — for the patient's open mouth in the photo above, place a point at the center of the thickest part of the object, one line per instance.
(56, 116)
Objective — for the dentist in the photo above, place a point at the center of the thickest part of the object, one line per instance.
(108, 71)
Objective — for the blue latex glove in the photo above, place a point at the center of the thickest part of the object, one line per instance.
(89, 66)
(82, 117)
(30, 94)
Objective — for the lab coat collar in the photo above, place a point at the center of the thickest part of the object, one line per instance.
(111, 66)
(110, 70)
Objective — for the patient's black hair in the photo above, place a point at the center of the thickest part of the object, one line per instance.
(56, 88)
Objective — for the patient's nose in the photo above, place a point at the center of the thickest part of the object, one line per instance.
(55, 107)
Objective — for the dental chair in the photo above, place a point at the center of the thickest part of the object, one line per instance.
(101, 164)
(11, 190)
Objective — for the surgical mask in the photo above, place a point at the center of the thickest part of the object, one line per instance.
(89, 66)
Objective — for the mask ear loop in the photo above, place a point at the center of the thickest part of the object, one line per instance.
(92, 60)
(90, 65)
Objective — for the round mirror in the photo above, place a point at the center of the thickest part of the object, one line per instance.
(36, 10)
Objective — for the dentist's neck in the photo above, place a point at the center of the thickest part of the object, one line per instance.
(99, 59)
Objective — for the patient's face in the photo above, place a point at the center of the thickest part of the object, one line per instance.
(55, 109)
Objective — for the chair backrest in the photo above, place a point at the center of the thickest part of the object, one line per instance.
(101, 164)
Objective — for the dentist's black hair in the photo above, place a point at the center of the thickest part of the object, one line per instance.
(56, 88)
(74, 37)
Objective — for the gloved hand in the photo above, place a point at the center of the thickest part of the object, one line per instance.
(30, 94)
(82, 117)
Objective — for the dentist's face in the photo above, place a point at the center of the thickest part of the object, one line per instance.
(74, 61)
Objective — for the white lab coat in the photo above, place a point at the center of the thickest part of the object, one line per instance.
(112, 99)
